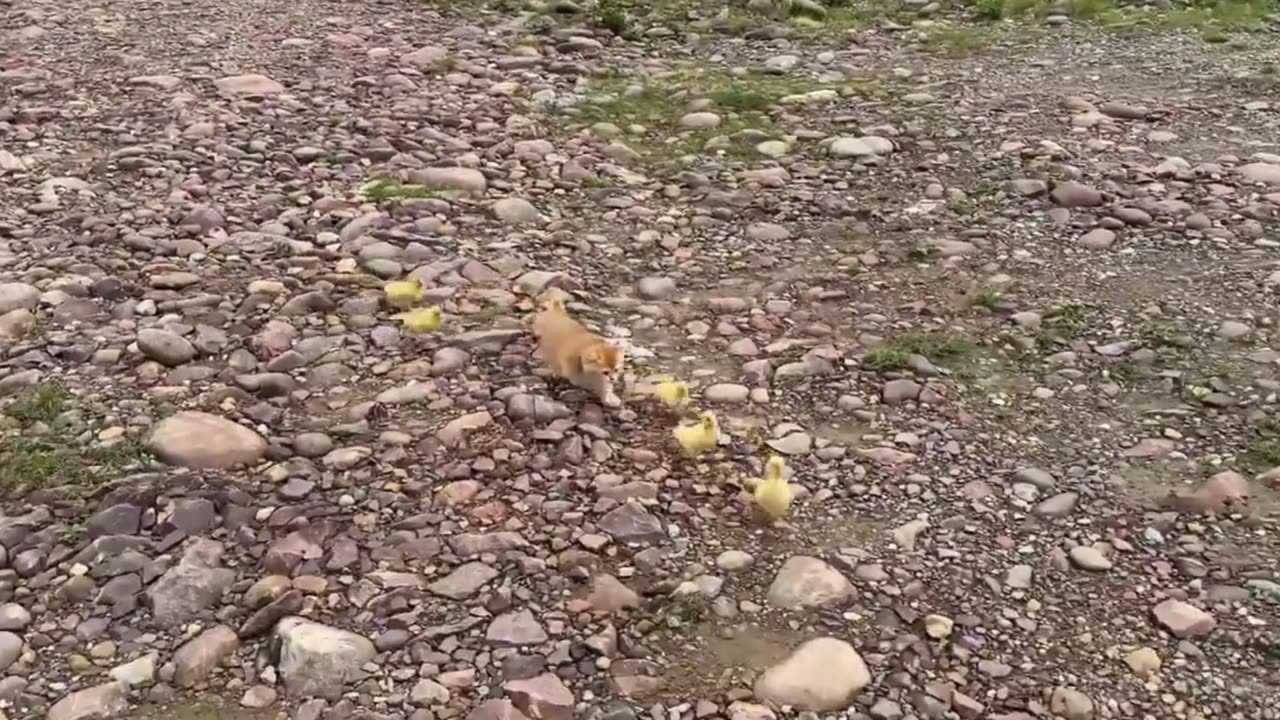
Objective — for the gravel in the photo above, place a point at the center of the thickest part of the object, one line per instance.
(1010, 315)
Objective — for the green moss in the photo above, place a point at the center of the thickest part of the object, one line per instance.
(388, 190)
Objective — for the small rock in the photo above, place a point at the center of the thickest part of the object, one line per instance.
(822, 675)
(199, 440)
(1089, 558)
(807, 582)
(318, 660)
(1143, 662)
(100, 702)
(1184, 620)
(200, 655)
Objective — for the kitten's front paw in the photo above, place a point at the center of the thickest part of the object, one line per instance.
(611, 400)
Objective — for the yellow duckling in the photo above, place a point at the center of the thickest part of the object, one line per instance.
(403, 293)
(773, 493)
(671, 393)
(421, 320)
(698, 438)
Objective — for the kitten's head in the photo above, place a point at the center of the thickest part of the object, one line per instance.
(551, 302)
(604, 357)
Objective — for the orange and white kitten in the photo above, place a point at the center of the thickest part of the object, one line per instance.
(576, 354)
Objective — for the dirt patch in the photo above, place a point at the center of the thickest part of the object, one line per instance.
(724, 657)
(208, 708)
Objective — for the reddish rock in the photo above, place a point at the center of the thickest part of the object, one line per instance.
(1184, 620)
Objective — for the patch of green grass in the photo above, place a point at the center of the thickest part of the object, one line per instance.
(36, 463)
(938, 347)
(70, 534)
(1063, 323)
(614, 16)
(1218, 16)
(32, 460)
(1262, 454)
(957, 40)
(691, 609)
(1214, 19)
(989, 9)
(922, 252)
(43, 405)
(742, 102)
(388, 190)
(987, 298)
(886, 358)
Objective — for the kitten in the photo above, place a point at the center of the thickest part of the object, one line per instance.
(576, 354)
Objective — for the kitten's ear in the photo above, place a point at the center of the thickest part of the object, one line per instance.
(608, 355)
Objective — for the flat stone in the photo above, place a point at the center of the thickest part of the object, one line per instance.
(165, 347)
(655, 288)
(10, 649)
(822, 675)
(141, 671)
(544, 697)
(251, 84)
(896, 392)
(1057, 506)
(318, 660)
(451, 178)
(15, 296)
(454, 432)
(1071, 704)
(202, 441)
(14, 617)
(860, 147)
(1184, 620)
(100, 702)
(699, 121)
(515, 628)
(192, 586)
(807, 582)
(1143, 661)
(726, 394)
(516, 211)
(196, 659)
(465, 581)
(1261, 172)
(631, 523)
(1087, 557)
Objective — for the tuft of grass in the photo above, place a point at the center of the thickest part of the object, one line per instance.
(70, 534)
(43, 405)
(691, 610)
(614, 16)
(388, 190)
(938, 347)
(886, 358)
(990, 9)
(1262, 454)
(33, 460)
(36, 463)
(956, 40)
(1062, 324)
(988, 299)
(743, 103)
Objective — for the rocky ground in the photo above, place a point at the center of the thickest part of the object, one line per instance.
(1006, 296)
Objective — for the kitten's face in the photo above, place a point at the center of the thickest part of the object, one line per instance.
(605, 359)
